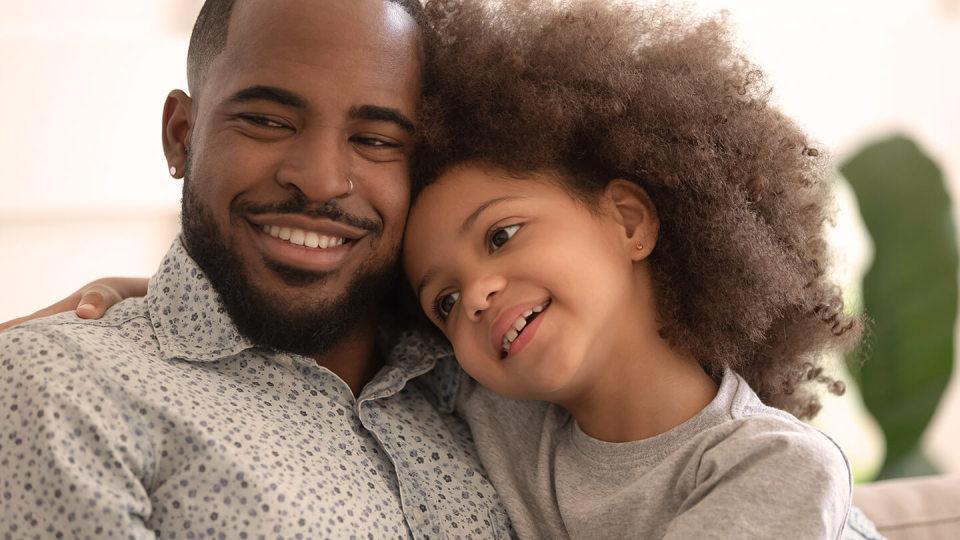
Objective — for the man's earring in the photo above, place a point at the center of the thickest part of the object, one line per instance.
(173, 171)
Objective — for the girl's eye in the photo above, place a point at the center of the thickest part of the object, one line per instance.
(502, 235)
(445, 304)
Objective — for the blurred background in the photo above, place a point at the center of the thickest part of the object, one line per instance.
(85, 191)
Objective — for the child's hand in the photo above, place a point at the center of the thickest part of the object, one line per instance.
(91, 301)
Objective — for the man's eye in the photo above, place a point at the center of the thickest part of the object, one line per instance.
(445, 304)
(502, 235)
(262, 121)
(374, 142)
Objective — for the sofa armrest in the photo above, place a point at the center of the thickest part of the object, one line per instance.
(925, 507)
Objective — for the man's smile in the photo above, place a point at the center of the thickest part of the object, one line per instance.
(304, 243)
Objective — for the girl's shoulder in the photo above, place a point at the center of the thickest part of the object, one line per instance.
(759, 440)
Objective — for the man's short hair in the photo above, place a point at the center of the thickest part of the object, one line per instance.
(209, 36)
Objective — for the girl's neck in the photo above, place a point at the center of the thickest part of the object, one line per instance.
(642, 396)
(639, 385)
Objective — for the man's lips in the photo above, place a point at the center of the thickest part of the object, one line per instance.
(304, 243)
(508, 320)
(321, 226)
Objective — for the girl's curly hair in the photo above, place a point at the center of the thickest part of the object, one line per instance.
(598, 90)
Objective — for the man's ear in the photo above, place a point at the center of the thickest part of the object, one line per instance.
(177, 126)
(633, 209)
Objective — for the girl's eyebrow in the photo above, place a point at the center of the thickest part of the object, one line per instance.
(464, 227)
(472, 218)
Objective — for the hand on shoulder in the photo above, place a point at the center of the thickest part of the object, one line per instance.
(90, 301)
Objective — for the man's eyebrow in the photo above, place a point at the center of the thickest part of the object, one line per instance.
(269, 93)
(382, 114)
(472, 218)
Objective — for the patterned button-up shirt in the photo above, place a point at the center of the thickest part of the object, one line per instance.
(161, 419)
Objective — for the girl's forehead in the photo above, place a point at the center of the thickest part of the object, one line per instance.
(468, 182)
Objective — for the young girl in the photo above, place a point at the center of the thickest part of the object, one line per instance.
(609, 219)
(624, 245)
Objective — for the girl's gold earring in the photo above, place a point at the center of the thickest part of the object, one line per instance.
(639, 246)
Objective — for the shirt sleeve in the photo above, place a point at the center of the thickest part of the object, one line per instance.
(71, 457)
(768, 484)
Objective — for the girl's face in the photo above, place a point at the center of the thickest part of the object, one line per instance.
(525, 281)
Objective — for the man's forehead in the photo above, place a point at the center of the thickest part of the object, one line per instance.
(373, 24)
(369, 42)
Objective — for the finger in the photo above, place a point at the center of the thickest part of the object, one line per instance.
(95, 300)
(90, 306)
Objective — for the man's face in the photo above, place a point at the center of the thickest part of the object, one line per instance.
(307, 101)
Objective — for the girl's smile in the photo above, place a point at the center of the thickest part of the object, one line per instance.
(516, 327)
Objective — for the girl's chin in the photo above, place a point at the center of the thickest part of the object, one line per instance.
(555, 386)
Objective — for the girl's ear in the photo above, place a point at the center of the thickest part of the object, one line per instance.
(633, 209)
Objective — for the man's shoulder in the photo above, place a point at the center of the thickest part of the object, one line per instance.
(116, 317)
(76, 342)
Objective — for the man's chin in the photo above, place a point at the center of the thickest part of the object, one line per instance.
(297, 277)
(309, 316)
(283, 308)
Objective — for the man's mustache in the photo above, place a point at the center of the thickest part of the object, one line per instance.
(298, 204)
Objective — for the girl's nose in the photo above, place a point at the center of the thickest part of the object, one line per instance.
(479, 296)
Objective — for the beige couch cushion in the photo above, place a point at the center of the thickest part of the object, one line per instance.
(913, 508)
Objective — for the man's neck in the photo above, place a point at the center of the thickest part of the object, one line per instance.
(355, 359)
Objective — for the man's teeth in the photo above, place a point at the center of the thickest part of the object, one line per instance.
(519, 325)
(301, 237)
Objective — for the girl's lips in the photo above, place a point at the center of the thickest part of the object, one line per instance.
(504, 323)
(526, 336)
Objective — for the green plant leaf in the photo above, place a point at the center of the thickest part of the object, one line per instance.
(910, 292)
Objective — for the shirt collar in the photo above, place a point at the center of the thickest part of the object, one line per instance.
(427, 356)
(190, 321)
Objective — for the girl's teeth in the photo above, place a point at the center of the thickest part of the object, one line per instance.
(512, 334)
(537, 309)
(520, 323)
(527, 313)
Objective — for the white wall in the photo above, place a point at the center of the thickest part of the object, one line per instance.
(84, 190)
(85, 193)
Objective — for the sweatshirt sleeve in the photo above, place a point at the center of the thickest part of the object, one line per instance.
(765, 482)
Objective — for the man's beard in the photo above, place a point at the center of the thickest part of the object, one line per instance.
(267, 319)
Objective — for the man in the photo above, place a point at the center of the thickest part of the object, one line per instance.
(257, 391)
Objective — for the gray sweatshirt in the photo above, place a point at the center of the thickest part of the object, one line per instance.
(738, 469)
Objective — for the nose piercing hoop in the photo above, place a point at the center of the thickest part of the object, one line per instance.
(349, 186)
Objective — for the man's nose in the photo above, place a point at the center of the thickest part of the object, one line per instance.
(318, 166)
(481, 294)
